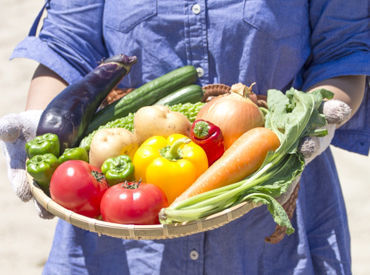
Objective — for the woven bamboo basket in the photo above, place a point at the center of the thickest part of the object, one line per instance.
(162, 231)
(158, 231)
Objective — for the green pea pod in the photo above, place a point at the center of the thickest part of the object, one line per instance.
(118, 169)
(76, 153)
(46, 143)
(41, 168)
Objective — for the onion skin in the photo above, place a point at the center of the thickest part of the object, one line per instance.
(233, 114)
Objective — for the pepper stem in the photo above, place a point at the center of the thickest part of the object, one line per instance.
(201, 130)
(173, 152)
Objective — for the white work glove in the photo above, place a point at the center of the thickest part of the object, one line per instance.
(15, 131)
(336, 113)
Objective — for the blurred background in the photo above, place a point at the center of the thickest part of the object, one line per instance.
(26, 239)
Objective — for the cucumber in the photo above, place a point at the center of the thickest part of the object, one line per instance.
(191, 93)
(146, 94)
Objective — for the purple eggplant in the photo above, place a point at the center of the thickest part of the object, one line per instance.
(69, 113)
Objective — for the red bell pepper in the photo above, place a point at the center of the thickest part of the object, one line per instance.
(209, 137)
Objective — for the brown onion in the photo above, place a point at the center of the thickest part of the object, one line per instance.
(234, 114)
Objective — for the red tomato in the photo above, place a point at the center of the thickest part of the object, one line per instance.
(79, 187)
(133, 203)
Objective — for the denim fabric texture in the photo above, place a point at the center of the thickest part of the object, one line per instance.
(275, 43)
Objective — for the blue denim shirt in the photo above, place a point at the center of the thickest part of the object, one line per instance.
(277, 44)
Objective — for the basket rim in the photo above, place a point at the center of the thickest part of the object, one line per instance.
(130, 231)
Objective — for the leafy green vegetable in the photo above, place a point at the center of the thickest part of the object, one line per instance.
(292, 116)
(276, 210)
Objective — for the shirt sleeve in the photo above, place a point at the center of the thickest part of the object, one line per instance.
(70, 41)
(340, 40)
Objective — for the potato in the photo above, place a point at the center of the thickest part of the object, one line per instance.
(158, 120)
(111, 142)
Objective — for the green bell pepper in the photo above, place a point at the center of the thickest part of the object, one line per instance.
(78, 153)
(118, 169)
(46, 143)
(41, 168)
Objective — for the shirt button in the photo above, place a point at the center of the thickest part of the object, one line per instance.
(196, 9)
(194, 255)
(200, 71)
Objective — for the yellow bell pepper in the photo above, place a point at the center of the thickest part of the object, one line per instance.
(172, 163)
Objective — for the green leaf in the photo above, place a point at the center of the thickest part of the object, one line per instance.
(277, 211)
(281, 177)
(293, 116)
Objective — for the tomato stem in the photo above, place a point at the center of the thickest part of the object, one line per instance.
(98, 175)
(131, 184)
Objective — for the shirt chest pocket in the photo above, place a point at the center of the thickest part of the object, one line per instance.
(277, 18)
(124, 15)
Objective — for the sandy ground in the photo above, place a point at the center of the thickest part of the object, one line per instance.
(25, 239)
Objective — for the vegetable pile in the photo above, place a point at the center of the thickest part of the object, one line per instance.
(291, 117)
(161, 155)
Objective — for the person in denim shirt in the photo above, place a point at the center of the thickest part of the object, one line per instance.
(277, 44)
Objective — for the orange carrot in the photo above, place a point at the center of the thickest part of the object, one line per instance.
(243, 158)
